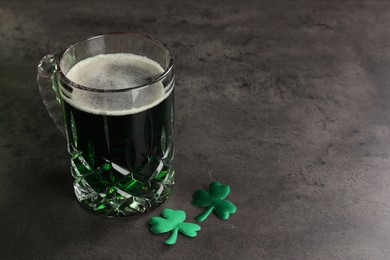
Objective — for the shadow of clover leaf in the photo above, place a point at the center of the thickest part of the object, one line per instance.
(173, 220)
(214, 199)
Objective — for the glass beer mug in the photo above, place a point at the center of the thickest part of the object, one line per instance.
(117, 113)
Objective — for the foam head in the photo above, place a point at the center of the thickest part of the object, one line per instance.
(116, 71)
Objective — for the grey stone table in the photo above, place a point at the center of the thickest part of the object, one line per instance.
(289, 103)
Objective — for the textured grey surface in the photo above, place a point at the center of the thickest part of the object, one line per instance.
(289, 103)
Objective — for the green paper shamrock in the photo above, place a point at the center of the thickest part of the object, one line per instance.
(214, 200)
(173, 221)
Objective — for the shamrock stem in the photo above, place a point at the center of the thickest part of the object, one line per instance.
(202, 216)
(173, 237)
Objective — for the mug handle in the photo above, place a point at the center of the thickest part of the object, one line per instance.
(48, 87)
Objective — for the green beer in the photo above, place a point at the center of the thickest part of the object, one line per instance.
(121, 145)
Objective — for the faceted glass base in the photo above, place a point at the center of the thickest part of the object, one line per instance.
(117, 203)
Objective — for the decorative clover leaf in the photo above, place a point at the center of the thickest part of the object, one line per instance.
(173, 220)
(214, 199)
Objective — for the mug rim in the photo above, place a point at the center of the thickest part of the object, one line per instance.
(163, 75)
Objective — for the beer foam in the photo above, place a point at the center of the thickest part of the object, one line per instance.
(116, 71)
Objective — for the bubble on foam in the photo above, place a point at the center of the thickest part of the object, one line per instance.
(116, 71)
